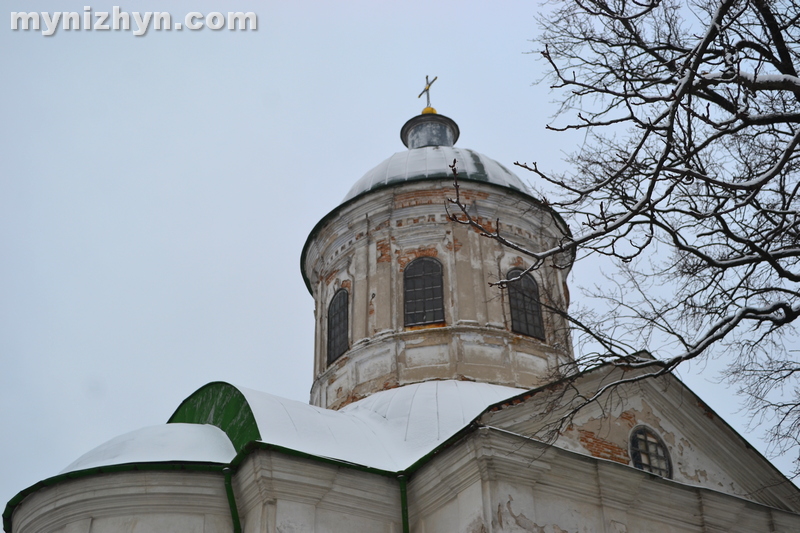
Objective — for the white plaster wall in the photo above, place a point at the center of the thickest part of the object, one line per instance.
(280, 493)
(128, 502)
(498, 482)
(703, 449)
(492, 481)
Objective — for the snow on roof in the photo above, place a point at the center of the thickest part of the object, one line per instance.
(389, 430)
(432, 162)
(156, 444)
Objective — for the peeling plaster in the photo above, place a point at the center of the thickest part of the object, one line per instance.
(476, 526)
(516, 521)
(403, 225)
(404, 257)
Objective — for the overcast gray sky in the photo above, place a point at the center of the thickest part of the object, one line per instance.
(156, 191)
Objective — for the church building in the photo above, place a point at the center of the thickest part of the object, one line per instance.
(431, 393)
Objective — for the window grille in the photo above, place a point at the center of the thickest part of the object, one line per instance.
(649, 453)
(423, 292)
(337, 326)
(526, 312)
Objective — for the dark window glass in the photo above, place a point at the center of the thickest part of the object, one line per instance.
(337, 326)
(422, 282)
(526, 313)
(649, 453)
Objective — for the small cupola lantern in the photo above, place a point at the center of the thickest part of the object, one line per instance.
(429, 128)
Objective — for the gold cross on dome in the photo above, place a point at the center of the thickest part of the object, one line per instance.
(427, 90)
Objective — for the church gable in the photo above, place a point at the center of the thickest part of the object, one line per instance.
(658, 426)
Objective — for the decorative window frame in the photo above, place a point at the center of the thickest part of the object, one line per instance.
(427, 292)
(643, 458)
(338, 326)
(525, 305)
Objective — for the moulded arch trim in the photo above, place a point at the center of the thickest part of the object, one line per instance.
(224, 406)
(635, 452)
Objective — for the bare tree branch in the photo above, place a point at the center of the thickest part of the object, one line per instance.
(688, 182)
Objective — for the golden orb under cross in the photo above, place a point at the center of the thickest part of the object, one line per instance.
(427, 92)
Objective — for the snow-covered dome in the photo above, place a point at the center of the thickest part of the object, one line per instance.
(158, 444)
(433, 162)
(430, 138)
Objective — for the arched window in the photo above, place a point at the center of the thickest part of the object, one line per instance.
(526, 313)
(337, 326)
(649, 453)
(423, 292)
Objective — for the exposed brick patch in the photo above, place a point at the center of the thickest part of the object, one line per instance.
(600, 447)
(412, 198)
(466, 194)
(328, 278)
(384, 251)
(416, 220)
(352, 396)
(382, 225)
(406, 256)
(706, 409)
(518, 262)
(454, 246)
(435, 196)
(347, 284)
(391, 384)
(488, 225)
(629, 417)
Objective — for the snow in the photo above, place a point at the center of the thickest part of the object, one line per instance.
(432, 162)
(756, 80)
(154, 444)
(389, 430)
